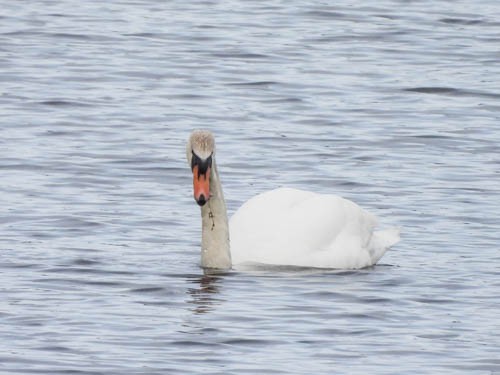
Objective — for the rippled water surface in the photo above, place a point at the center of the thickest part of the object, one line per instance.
(392, 104)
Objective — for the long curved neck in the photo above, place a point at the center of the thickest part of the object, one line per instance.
(215, 251)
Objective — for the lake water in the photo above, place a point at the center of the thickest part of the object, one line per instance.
(392, 104)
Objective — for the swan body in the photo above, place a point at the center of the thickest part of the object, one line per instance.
(283, 226)
(302, 228)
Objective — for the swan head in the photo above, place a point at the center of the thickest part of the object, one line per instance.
(200, 151)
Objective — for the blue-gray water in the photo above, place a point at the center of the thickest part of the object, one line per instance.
(392, 104)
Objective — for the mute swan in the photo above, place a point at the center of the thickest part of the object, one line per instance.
(283, 226)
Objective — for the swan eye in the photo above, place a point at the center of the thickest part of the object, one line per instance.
(203, 164)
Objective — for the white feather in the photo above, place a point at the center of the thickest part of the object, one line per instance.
(294, 227)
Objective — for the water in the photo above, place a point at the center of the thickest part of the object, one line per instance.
(392, 104)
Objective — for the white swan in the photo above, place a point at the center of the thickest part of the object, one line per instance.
(283, 226)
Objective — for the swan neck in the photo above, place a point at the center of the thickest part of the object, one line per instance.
(215, 252)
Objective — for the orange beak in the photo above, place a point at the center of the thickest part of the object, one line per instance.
(201, 186)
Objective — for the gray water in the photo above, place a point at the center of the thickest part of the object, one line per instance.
(392, 104)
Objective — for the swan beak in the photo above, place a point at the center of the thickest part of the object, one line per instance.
(201, 185)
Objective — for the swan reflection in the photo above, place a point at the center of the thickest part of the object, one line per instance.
(205, 295)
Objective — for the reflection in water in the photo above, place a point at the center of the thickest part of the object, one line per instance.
(205, 296)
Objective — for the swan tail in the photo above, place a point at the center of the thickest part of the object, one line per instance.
(382, 241)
